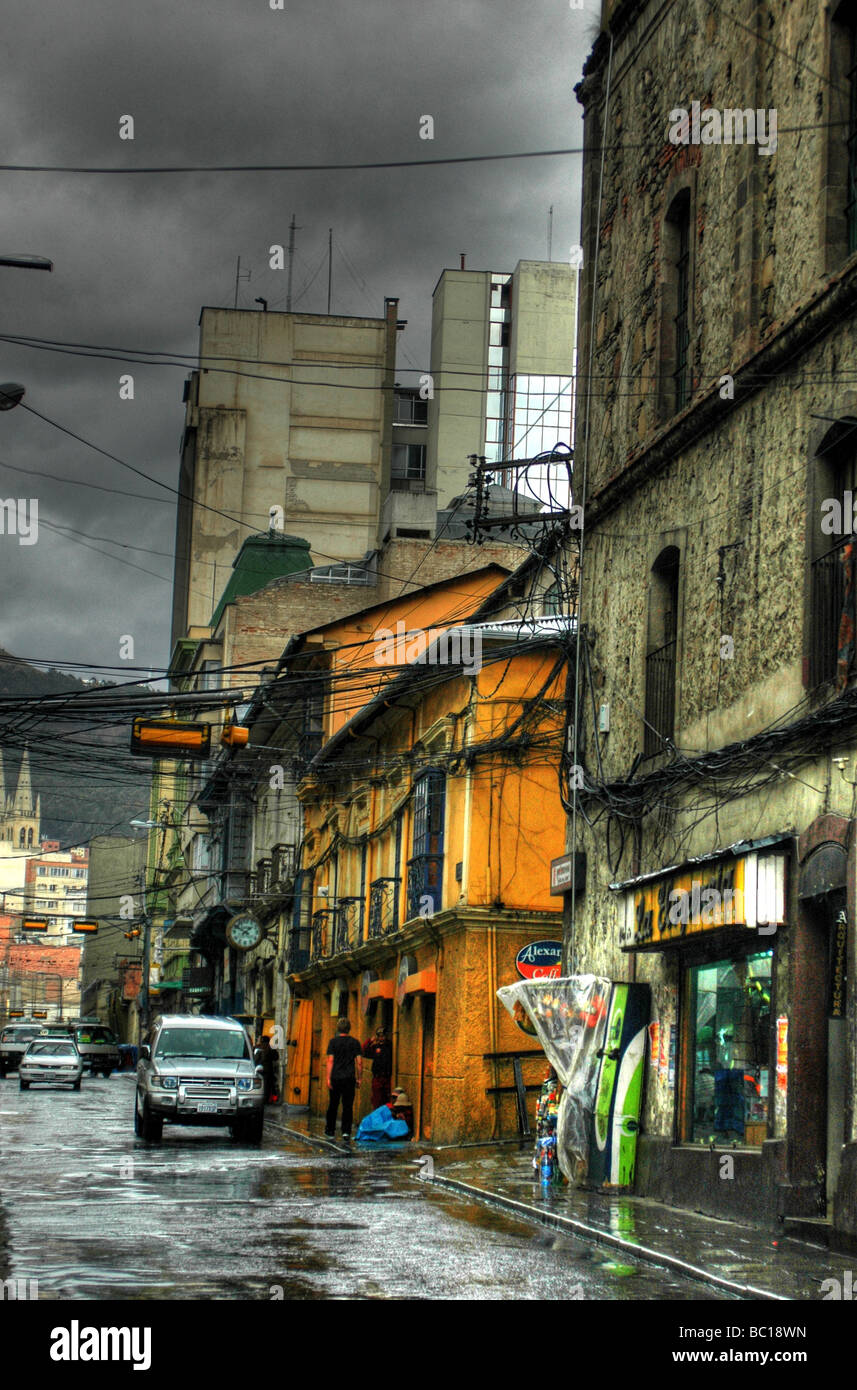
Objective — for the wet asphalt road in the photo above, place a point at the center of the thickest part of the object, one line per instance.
(94, 1213)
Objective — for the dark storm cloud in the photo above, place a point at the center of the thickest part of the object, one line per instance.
(231, 81)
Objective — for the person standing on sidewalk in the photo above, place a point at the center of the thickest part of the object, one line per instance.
(380, 1050)
(344, 1073)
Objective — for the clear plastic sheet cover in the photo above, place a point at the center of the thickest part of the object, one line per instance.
(570, 1018)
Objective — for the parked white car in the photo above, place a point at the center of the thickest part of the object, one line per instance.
(51, 1061)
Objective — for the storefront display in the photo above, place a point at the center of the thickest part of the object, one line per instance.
(730, 1012)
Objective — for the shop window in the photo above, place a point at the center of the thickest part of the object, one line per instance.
(661, 652)
(729, 1006)
(425, 867)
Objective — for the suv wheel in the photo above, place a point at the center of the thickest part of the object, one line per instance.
(24, 1085)
(147, 1126)
(248, 1131)
(75, 1085)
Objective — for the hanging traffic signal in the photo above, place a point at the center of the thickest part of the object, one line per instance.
(234, 735)
(129, 935)
(86, 924)
(34, 924)
(170, 738)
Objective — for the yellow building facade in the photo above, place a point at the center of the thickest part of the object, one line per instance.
(431, 818)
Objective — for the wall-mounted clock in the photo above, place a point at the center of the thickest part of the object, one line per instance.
(244, 931)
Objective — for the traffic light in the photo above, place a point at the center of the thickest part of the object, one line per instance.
(234, 735)
(34, 924)
(129, 935)
(85, 924)
(169, 738)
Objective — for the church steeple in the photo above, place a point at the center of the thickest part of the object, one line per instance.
(24, 804)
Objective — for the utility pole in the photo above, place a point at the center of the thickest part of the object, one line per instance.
(291, 261)
(550, 231)
(329, 264)
(147, 945)
(239, 275)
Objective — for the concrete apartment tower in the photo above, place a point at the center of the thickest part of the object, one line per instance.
(502, 354)
(287, 425)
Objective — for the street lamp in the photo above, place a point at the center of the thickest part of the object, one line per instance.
(11, 394)
(24, 261)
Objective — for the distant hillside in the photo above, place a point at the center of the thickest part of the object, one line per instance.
(84, 789)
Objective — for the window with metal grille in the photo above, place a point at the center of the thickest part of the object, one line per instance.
(836, 480)
(425, 867)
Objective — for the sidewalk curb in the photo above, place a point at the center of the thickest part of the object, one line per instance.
(598, 1237)
(311, 1139)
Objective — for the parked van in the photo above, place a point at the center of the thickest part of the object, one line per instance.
(98, 1047)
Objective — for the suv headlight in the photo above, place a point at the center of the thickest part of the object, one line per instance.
(166, 1083)
(249, 1083)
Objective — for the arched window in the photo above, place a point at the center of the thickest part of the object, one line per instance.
(30, 838)
(22, 838)
(677, 265)
(661, 651)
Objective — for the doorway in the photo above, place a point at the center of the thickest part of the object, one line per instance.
(426, 1065)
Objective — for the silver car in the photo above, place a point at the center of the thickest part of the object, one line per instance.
(195, 1070)
(55, 1061)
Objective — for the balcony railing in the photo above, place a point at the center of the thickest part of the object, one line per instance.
(826, 604)
(322, 933)
(660, 698)
(348, 924)
(383, 906)
(425, 875)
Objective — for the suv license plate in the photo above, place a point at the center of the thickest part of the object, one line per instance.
(208, 1107)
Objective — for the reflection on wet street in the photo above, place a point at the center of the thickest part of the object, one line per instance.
(94, 1213)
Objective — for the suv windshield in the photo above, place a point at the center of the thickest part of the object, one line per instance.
(227, 1044)
(52, 1049)
(18, 1034)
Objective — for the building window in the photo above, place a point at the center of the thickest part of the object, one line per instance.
(833, 490)
(22, 838)
(841, 191)
(30, 838)
(409, 408)
(661, 651)
(729, 1008)
(409, 463)
(675, 361)
(425, 867)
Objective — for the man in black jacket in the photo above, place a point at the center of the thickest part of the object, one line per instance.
(344, 1074)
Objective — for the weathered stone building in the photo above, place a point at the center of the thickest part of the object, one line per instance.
(716, 413)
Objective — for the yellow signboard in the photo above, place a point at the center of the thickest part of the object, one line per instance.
(748, 891)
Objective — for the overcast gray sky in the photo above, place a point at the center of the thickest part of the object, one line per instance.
(235, 82)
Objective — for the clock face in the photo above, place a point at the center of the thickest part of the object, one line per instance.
(244, 932)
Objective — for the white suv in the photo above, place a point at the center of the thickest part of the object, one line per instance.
(195, 1070)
